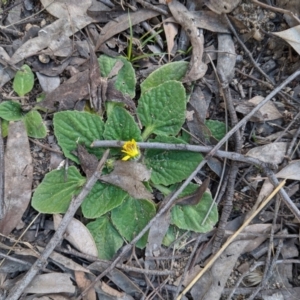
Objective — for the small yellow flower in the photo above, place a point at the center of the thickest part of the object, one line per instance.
(131, 149)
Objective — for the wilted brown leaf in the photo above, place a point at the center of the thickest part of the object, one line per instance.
(87, 161)
(83, 282)
(128, 175)
(194, 198)
(122, 23)
(78, 236)
(226, 56)
(272, 153)
(18, 177)
(291, 36)
(67, 94)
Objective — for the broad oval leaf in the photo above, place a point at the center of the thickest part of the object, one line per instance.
(34, 125)
(172, 71)
(73, 127)
(107, 238)
(169, 167)
(162, 109)
(126, 79)
(190, 217)
(131, 217)
(102, 198)
(121, 126)
(23, 81)
(55, 192)
(11, 111)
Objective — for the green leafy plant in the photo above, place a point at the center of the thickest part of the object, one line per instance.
(12, 110)
(117, 214)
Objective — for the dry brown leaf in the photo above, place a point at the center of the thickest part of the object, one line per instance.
(128, 175)
(88, 162)
(273, 153)
(18, 177)
(68, 93)
(78, 235)
(222, 6)
(122, 23)
(83, 282)
(226, 56)
(291, 36)
(269, 111)
(207, 20)
(197, 68)
(47, 83)
(51, 283)
(171, 30)
(291, 171)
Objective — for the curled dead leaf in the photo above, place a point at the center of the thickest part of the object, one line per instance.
(129, 175)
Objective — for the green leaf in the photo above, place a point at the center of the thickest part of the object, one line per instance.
(217, 128)
(162, 109)
(126, 79)
(23, 81)
(107, 238)
(131, 217)
(11, 111)
(73, 127)
(34, 125)
(169, 167)
(55, 192)
(4, 128)
(190, 217)
(121, 126)
(171, 71)
(102, 198)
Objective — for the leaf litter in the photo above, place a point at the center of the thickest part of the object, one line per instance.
(63, 57)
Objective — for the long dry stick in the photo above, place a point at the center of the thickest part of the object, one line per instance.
(230, 240)
(57, 237)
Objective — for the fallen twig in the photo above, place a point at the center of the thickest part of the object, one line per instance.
(183, 147)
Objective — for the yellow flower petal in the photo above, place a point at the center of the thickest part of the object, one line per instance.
(131, 149)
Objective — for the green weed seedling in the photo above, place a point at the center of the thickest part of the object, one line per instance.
(12, 110)
(114, 215)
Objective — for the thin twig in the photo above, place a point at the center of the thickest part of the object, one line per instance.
(45, 146)
(57, 237)
(182, 147)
